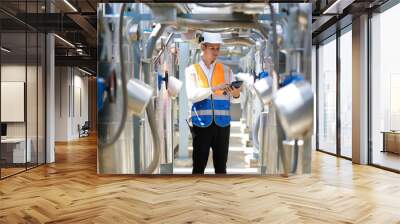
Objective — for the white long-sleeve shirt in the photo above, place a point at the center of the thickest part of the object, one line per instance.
(194, 92)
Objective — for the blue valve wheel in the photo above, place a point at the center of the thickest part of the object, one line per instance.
(263, 74)
(101, 88)
(291, 79)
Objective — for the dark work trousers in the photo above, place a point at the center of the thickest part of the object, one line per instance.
(218, 139)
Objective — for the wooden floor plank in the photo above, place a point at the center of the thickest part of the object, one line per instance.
(70, 191)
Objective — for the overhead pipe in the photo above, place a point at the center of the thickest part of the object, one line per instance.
(215, 5)
(209, 24)
(182, 7)
(257, 32)
(151, 42)
(169, 38)
(216, 30)
(231, 53)
(239, 41)
(261, 29)
(247, 9)
(199, 24)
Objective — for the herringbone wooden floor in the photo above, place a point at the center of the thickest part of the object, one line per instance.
(70, 191)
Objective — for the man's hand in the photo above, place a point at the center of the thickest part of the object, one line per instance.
(235, 92)
(219, 87)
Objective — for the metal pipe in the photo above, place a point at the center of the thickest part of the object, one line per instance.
(262, 54)
(261, 36)
(155, 34)
(169, 38)
(287, 60)
(182, 7)
(199, 24)
(262, 29)
(275, 53)
(216, 30)
(308, 43)
(239, 41)
(215, 5)
(150, 109)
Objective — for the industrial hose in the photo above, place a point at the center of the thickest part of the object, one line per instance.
(122, 122)
(156, 142)
(150, 110)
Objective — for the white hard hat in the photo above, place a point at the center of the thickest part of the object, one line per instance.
(212, 38)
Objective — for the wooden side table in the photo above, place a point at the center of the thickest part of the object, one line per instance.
(391, 141)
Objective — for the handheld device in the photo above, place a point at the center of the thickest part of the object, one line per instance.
(236, 84)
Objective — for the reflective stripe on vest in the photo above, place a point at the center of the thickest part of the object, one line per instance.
(217, 106)
(209, 112)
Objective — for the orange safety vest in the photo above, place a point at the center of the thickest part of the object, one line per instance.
(217, 106)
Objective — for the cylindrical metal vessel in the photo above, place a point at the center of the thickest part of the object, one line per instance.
(174, 86)
(139, 94)
(293, 156)
(270, 158)
(263, 89)
(294, 104)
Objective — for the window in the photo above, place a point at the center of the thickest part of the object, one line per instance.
(385, 85)
(327, 96)
(314, 87)
(346, 93)
(22, 75)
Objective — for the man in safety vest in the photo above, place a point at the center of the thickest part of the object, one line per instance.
(208, 90)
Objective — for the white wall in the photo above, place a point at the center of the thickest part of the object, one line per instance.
(12, 73)
(80, 94)
(15, 73)
(33, 126)
(61, 103)
(71, 94)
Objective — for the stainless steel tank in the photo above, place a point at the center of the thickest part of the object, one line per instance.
(295, 107)
(293, 156)
(270, 160)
